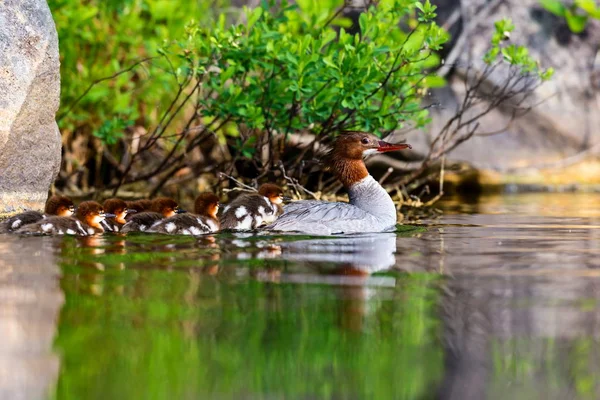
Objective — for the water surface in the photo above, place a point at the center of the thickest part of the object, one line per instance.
(496, 299)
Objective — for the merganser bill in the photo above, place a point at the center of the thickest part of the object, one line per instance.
(204, 220)
(88, 222)
(162, 207)
(370, 208)
(119, 208)
(55, 206)
(250, 211)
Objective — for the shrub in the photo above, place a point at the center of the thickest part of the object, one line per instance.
(230, 96)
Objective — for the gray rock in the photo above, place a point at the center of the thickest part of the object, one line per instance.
(566, 120)
(30, 144)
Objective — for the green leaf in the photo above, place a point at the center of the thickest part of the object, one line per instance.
(576, 22)
(588, 6)
(556, 7)
(434, 81)
(253, 16)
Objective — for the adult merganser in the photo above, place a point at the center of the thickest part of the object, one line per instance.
(204, 220)
(89, 216)
(162, 207)
(250, 211)
(119, 208)
(370, 209)
(56, 205)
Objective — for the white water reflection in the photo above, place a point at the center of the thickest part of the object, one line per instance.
(367, 253)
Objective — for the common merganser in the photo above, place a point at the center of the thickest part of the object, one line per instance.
(119, 208)
(88, 222)
(162, 207)
(250, 211)
(370, 209)
(55, 206)
(204, 220)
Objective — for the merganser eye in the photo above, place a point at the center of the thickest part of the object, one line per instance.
(365, 141)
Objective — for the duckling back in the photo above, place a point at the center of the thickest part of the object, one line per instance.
(141, 222)
(57, 226)
(249, 212)
(15, 222)
(185, 224)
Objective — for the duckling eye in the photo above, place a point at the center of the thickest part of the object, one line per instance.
(365, 141)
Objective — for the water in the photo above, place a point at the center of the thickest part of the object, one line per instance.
(497, 299)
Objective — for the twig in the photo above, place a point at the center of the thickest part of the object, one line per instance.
(295, 183)
(239, 183)
(97, 81)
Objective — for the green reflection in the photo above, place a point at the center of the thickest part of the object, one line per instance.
(134, 327)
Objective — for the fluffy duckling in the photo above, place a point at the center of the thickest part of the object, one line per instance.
(119, 208)
(89, 217)
(162, 207)
(204, 220)
(55, 206)
(250, 211)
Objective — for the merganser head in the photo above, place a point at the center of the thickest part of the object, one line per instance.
(117, 207)
(272, 192)
(345, 159)
(60, 205)
(356, 145)
(207, 204)
(165, 206)
(91, 213)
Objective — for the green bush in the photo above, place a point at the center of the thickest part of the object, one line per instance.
(286, 71)
(102, 38)
(576, 14)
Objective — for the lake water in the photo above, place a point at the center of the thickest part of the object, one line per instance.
(498, 299)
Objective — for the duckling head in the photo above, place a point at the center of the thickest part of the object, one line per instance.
(117, 207)
(61, 206)
(207, 204)
(92, 213)
(165, 206)
(272, 192)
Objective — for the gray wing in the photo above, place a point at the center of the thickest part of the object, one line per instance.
(322, 218)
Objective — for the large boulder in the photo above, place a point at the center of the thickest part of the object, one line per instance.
(562, 128)
(30, 144)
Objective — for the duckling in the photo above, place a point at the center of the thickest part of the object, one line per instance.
(56, 205)
(204, 219)
(162, 207)
(251, 211)
(88, 222)
(119, 208)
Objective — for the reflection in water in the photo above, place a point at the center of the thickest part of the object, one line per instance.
(30, 300)
(502, 304)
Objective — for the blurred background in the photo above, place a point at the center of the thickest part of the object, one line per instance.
(151, 96)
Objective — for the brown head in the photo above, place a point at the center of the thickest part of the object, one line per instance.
(60, 205)
(345, 159)
(117, 207)
(272, 192)
(139, 205)
(165, 206)
(91, 213)
(207, 204)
